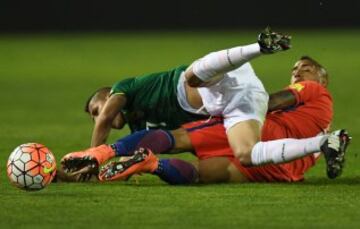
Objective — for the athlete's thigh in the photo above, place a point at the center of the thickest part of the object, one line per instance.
(214, 170)
(219, 170)
(182, 140)
(243, 136)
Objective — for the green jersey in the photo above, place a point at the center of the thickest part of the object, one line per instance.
(151, 101)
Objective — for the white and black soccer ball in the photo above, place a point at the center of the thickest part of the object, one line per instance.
(31, 166)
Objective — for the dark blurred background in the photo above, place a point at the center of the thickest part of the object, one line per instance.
(114, 15)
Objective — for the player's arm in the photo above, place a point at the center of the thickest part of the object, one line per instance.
(104, 121)
(281, 100)
(295, 94)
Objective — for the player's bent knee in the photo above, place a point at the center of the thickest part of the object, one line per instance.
(192, 80)
(244, 156)
(195, 82)
(242, 138)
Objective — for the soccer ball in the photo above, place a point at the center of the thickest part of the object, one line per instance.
(31, 166)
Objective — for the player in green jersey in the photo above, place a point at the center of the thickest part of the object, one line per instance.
(151, 101)
(143, 102)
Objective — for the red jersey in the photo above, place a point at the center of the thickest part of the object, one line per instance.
(311, 115)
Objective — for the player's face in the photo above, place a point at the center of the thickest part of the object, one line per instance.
(304, 70)
(95, 107)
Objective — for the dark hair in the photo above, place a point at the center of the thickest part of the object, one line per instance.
(96, 93)
(324, 76)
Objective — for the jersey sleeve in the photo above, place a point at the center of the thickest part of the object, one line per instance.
(122, 87)
(306, 91)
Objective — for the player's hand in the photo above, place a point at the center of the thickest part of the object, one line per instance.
(271, 42)
(79, 168)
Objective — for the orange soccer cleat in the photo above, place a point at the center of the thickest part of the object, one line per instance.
(143, 161)
(90, 158)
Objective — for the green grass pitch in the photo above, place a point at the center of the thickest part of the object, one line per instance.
(45, 80)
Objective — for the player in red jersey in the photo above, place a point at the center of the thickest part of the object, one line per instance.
(310, 115)
(217, 162)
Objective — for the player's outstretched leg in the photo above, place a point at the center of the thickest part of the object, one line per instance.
(143, 161)
(209, 67)
(334, 149)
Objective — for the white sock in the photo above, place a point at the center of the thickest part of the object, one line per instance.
(285, 150)
(224, 61)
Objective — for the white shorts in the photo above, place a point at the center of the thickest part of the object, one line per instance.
(238, 96)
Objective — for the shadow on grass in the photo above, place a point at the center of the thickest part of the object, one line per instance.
(353, 181)
(73, 189)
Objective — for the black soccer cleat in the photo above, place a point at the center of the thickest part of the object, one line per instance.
(271, 42)
(334, 149)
